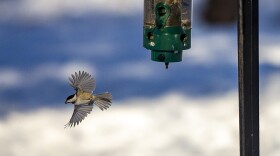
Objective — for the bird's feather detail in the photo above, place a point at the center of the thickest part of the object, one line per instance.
(82, 81)
(103, 101)
(80, 112)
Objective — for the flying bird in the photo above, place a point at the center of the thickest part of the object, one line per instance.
(84, 99)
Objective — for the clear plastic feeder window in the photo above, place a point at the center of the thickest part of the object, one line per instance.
(180, 12)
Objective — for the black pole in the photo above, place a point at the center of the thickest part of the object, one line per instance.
(248, 76)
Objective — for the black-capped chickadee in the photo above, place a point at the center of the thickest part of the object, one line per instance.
(83, 99)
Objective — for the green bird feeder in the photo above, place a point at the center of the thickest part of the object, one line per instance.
(167, 29)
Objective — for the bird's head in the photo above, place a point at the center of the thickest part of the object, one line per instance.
(71, 99)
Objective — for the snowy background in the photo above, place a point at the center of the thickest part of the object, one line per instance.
(189, 109)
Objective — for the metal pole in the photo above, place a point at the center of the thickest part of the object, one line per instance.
(248, 76)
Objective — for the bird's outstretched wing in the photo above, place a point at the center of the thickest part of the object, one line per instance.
(82, 81)
(80, 112)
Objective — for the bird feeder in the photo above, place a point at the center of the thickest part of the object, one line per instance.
(167, 29)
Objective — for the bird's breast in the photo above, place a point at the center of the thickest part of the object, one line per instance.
(83, 99)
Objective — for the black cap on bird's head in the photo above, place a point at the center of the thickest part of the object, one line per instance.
(70, 99)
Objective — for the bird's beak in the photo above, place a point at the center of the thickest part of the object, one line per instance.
(65, 102)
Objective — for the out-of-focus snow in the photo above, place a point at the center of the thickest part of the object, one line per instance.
(270, 54)
(11, 78)
(53, 8)
(172, 124)
(169, 125)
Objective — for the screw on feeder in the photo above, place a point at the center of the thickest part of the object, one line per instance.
(167, 29)
(166, 65)
(161, 57)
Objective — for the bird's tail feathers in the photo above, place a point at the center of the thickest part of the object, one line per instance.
(103, 101)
